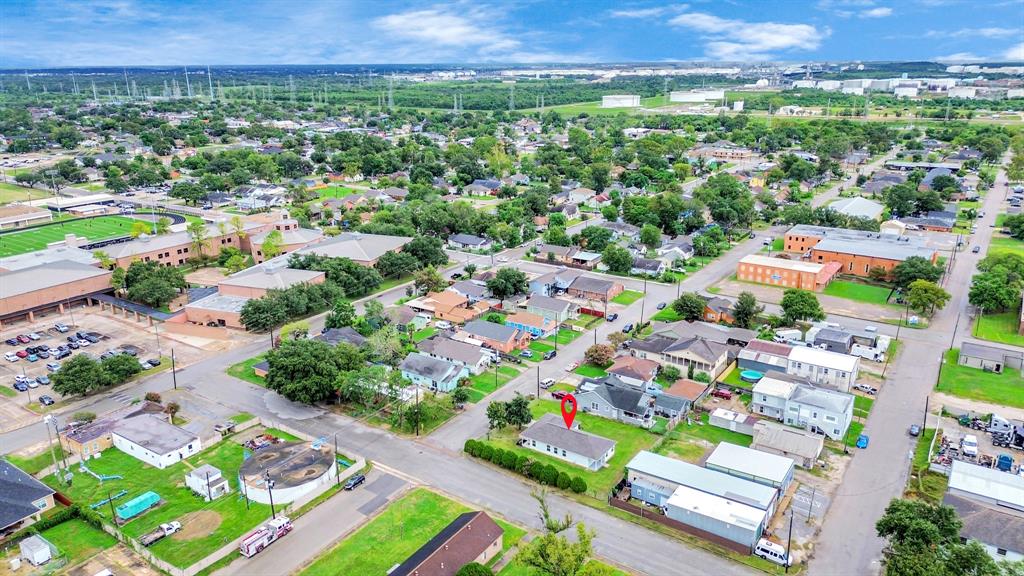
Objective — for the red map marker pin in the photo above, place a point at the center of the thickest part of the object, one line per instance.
(568, 414)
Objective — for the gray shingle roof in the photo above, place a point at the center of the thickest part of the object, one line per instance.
(551, 430)
(592, 284)
(1000, 527)
(154, 434)
(335, 336)
(548, 303)
(18, 490)
(490, 330)
(423, 365)
(451, 349)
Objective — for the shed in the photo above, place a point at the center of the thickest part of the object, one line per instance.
(742, 423)
(803, 447)
(754, 465)
(988, 358)
(35, 549)
(720, 516)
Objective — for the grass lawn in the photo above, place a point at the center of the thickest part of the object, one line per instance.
(862, 406)
(78, 541)
(853, 433)
(234, 518)
(336, 192)
(629, 440)
(241, 417)
(999, 328)
(8, 391)
(1006, 389)
(678, 446)
(1000, 244)
(483, 384)
(421, 335)
(858, 292)
(94, 229)
(541, 347)
(286, 436)
(709, 433)
(667, 315)
(586, 321)
(395, 534)
(243, 371)
(564, 336)
(627, 297)
(590, 371)
(14, 193)
(733, 379)
(33, 464)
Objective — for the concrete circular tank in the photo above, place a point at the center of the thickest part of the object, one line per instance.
(295, 469)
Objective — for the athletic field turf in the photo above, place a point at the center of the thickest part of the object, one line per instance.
(95, 229)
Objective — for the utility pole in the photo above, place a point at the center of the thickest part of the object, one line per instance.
(174, 372)
(789, 545)
(209, 81)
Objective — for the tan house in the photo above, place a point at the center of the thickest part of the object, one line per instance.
(449, 305)
(591, 288)
(497, 336)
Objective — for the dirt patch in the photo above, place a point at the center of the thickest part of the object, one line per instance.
(197, 525)
(119, 560)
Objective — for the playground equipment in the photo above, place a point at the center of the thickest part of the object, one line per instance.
(319, 442)
(106, 500)
(101, 477)
(137, 505)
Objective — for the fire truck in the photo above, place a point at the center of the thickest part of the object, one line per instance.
(264, 535)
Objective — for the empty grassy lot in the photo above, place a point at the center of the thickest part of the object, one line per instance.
(1000, 328)
(14, 193)
(231, 514)
(94, 229)
(858, 292)
(1006, 389)
(999, 244)
(483, 384)
(391, 537)
(244, 370)
(627, 297)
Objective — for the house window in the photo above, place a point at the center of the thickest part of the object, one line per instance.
(830, 418)
(563, 452)
(593, 406)
(835, 431)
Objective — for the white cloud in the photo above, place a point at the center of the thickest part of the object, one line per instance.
(1015, 52)
(959, 58)
(648, 12)
(990, 32)
(740, 40)
(880, 12)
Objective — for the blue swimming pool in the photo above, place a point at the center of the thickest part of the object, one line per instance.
(751, 376)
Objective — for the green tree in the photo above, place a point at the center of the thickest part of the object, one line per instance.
(508, 282)
(924, 538)
(119, 368)
(496, 416)
(105, 260)
(163, 225)
(262, 314)
(79, 375)
(650, 236)
(117, 279)
(746, 310)
(428, 250)
(396, 264)
(555, 555)
(459, 396)
(689, 306)
(670, 373)
(600, 355)
(343, 314)
(386, 346)
(557, 219)
(995, 289)
(303, 370)
(617, 259)
(926, 297)
(139, 228)
(1015, 225)
(517, 412)
(271, 245)
(915, 268)
(199, 236)
(800, 305)
(152, 291)
(428, 280)
(556, 236)
(474, 569)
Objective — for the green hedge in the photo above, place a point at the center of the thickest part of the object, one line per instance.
(509, 460)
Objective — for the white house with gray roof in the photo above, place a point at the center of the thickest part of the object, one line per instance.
(155, 441)
(800, 404)
(432, 373)
(549, 435)
(554, 309)
(460, 353)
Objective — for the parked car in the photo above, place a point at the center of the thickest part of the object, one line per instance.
(32, 358)
(722, 393)
(154, 362)
(976, 249)
(31, 349)
(46, 401)
(354, 481)
(21, 378)
(33, 336)
(144, 365)
(547, 383)
(21, 387)
(442, 324)
(53, 366)
(129, 351)
(32, 384)
(862, 441)
(572, 366)
(80, 335)
(92, 339)
(61, 354)
(12, 341)
(44, 354)
(866, 389)
(526, 354)
(969, 445)
(21, 354)
(23, 339)
(83, 343)
(43, 347)
(11, 357)
(558, 394)
(612, 317)
(62, 328)
(73, 344)
(550, 354)
(661, 306)
(627, 328)
(915, 430)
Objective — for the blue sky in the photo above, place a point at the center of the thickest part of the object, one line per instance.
(153, 32)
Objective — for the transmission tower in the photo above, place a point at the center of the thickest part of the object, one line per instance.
(95, 98)
(188, 85)
(391, 91)
(28, 83)
(511, 97)
(127, 86)
(209, 81)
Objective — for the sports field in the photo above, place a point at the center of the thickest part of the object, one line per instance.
(102, 228)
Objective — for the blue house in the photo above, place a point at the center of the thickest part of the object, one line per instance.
(432, 373)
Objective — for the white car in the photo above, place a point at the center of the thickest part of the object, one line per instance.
(502, 258)
(83, 343)
(442, 324)
(969, 445)
(11, 357)
(33, 336)
(547, 383)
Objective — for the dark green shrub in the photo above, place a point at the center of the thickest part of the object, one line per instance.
(563, 480)
(578, 485)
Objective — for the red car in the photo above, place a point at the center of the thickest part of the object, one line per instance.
(21, 354)
(24, 339)
(720, 393)
(558, 394)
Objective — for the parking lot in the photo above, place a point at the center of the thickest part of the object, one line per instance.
(111, 334)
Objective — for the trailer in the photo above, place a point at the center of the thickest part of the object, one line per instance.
(159, 533)
(264, 536)
(1013, 439)
(876, 354)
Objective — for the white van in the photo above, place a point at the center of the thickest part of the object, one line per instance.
(772, 552)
